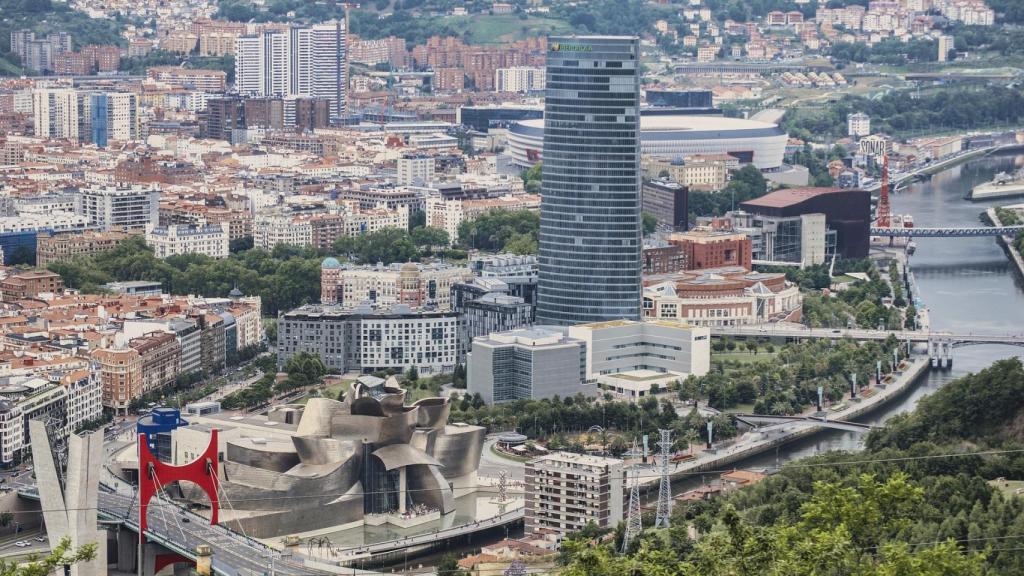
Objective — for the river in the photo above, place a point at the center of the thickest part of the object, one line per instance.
(968, 285)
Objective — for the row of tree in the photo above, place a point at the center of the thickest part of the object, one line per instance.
(898, 112)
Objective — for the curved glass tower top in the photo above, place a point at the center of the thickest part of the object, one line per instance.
(590, 206)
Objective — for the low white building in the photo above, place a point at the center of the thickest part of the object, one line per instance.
(211, 240)
(630, 357)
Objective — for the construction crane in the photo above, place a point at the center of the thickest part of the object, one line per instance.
(884, 212)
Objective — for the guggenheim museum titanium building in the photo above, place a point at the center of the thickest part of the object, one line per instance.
(590, 209)
(663, 133)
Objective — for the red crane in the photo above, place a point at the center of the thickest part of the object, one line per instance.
(884, 212)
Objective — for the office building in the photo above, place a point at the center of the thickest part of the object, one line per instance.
(630, 358)
(366, 339)
(590, 210)
(119, 207)
(521, 79)
(565, 492)
(492, 312)
(667, 201)
(211, 240)
(518, 273)
(807, 225)
(524, 364)
(858, 125)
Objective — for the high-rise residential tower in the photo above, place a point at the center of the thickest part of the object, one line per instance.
(300, 61)
(590, 226)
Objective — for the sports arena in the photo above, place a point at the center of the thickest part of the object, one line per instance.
(676, 135)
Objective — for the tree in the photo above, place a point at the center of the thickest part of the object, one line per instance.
(304, 369)
(58, 558)
(449, 564)
(650, 222)
(522, 244)
(428, 237)
(494, 229)
(6, 518)
(412, 374)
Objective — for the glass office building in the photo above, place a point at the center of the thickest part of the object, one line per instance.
(590, 209)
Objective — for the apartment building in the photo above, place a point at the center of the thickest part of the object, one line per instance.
(413, 284)
(211, 240)
(119, 207)
(29, 284)
(565, 492)
(57, 247)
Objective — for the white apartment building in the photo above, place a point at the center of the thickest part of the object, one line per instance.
(415, 170)
(56, 113)
(307, 61)
(73, 400)
(211, 240)
(520, 79)
(858, 125)
(119, 206)
(946, 44)
(565, 492)
(411, 283)
(447, 214)
(271, 228)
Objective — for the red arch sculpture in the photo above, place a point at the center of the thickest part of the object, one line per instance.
(153, 474)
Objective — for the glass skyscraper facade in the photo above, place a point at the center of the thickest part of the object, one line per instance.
(590, 227)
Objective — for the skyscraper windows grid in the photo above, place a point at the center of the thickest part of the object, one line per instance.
(590, 229)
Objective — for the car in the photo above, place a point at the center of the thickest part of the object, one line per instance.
(185, 519)
(21, 544)
(40, 539)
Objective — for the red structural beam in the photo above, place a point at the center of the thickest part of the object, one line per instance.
(153, 474)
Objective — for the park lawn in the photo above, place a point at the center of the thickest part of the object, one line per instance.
(1008, 487)
(332, 392)
(500, 28)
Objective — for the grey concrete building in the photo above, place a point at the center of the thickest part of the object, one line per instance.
(528, 363)
(590, 226)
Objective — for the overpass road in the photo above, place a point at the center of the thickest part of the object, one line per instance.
(796, 331)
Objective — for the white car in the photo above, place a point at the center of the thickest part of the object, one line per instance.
(21, 544)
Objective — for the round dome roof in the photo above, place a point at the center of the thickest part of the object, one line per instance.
(330, 262)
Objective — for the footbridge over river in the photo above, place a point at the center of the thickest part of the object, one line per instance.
(819, 419)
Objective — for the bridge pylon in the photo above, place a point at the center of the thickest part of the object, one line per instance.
(154, 475)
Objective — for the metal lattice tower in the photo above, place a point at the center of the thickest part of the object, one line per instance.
(502, 486)
(661, 520)
(633, 522)
(884, 210)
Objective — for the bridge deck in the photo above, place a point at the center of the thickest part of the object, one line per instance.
(955, 232)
